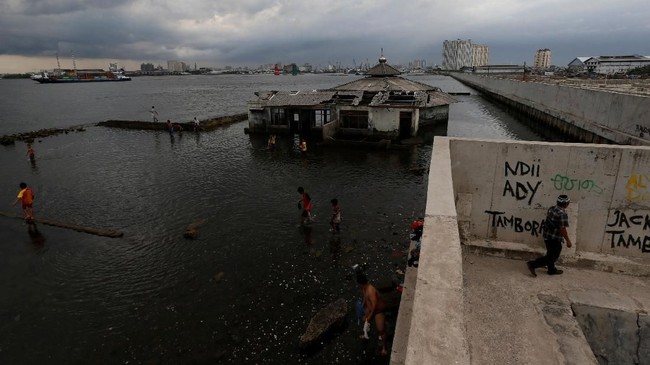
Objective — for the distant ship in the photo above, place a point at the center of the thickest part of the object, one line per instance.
(68, 76)
(62, 76)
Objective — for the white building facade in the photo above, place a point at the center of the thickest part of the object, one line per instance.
(463, 53)
(607, 65)
(480, 55)
(456, 54)
(176, 66)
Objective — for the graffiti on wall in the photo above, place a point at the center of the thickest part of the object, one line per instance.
(522, 181)
(517, 224)
(637, 187)
(561, 182)
(629, 231)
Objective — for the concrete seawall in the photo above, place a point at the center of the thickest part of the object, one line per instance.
(587, 115)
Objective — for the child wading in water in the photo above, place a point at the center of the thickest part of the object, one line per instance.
(26, 196)
(335, 222)
(305, 205)
(30, 152)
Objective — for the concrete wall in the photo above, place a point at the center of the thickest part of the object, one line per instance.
(610, 191)
(384, 120)
(511, 184)
(620, 118)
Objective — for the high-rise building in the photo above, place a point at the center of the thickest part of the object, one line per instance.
(480, 55)
(148, 67)
(543, 58)
(460, 53)
(456, 54)
(176, 66)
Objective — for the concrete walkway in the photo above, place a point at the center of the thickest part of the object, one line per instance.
(513, 318)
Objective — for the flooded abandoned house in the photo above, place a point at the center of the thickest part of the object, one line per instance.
(380, 106)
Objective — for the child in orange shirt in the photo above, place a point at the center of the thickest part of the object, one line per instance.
(26, 196)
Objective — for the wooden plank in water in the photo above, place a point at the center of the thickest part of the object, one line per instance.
(75, 227)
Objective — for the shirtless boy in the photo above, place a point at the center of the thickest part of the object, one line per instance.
(373, 307)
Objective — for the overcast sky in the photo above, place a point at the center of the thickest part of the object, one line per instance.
(217, 33)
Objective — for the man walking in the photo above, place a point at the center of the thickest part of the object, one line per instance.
(555, 229)
(154, 114)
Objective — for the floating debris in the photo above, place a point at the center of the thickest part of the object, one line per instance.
(192, 231)
(219, 276)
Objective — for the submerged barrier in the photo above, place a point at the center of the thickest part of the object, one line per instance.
(29, 137)
(204, 125)
(75, 227)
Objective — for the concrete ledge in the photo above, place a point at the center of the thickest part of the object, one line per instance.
(584, 260)
(437, 330)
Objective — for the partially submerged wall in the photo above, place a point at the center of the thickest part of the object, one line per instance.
(617, 117)
(509, 185)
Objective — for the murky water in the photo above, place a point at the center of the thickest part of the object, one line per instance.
(244, 291)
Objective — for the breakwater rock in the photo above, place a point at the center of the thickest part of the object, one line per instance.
(29, 137)
(204, 125)
(326, 320)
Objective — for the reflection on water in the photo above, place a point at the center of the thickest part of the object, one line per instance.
(244, 291)
(35, 235)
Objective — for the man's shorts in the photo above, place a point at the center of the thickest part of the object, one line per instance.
(305, 213)
(25, 206)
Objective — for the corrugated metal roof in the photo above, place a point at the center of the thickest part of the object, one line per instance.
(623, 59)
(441, 98)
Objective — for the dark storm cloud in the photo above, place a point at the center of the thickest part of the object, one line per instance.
(56, 7)
(254, 32)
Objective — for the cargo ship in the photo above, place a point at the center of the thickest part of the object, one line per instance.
(59, 76)
(69, 76)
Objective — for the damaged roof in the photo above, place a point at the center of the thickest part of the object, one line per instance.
(416, 99)
(382, 88)
(419, 98)
(294, 98)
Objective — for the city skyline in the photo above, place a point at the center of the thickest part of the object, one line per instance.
(250, 33)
